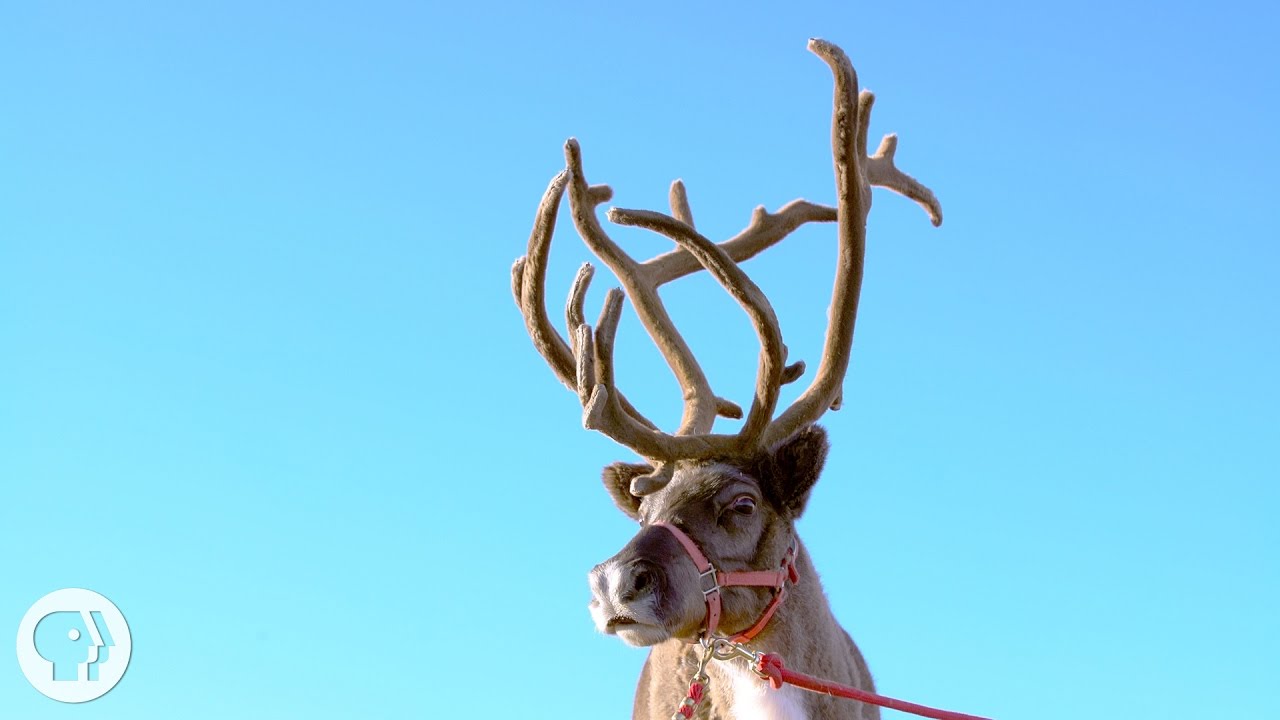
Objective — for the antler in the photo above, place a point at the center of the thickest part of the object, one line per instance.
(586, 364)
(855, 174)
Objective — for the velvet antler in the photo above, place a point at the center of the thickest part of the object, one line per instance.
(586, 363)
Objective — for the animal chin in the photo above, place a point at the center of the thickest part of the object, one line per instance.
(633, 624)
(636, 634)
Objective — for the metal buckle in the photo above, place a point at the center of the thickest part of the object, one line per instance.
(709, 575)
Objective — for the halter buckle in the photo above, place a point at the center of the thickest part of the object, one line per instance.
(709, 581)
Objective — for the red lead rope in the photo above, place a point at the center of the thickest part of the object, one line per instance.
(770, 666)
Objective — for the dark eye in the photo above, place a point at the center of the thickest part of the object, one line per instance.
(744, 505)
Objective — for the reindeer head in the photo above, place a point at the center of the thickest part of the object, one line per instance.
(731, 499)
(738, 513)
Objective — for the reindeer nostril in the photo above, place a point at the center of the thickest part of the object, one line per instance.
(642, 580)
(638, 582)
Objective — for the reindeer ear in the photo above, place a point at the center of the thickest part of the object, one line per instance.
(792, 467)
(617, 480)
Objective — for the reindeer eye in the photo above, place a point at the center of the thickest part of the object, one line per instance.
(744, 505)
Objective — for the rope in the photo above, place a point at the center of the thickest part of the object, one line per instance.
(690, 703)
(769, 665)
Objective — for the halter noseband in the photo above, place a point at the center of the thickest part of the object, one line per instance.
(712, 580)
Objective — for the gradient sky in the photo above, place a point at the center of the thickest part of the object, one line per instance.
(262, 382)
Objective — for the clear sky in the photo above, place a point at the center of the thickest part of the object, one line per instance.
(262, 382)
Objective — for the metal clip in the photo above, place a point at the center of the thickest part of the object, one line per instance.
(723, 649)
(707, 653)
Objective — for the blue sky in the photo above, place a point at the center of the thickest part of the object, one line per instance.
(263, 385)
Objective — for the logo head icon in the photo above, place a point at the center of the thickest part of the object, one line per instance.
(73, 645)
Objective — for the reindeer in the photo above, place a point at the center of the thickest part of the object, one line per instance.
(717, 551)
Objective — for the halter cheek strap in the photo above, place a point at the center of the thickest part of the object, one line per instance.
(712, 580)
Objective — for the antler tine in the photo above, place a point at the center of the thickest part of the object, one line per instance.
(679, 201)
(573, 316)
(881, 172)
(855, 172)
(574, 320)
(746, 293)
(601, 410)
(528, 283)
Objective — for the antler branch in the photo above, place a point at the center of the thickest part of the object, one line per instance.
(585, 364)
(765, 230)
(855, 174)
(679, 201)
(700, 403)
(853, 200)
(881, 172)
(528, 282)
(745, 292)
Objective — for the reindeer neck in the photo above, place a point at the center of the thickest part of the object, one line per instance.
(804, 625)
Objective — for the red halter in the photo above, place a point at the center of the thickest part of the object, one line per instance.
(712, 580)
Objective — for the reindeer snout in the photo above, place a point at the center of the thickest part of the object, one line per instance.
(632, 592)
(620, 584)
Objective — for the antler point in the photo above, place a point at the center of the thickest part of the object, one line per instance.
(593, 410)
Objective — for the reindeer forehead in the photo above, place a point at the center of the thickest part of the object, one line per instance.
(695, 484)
